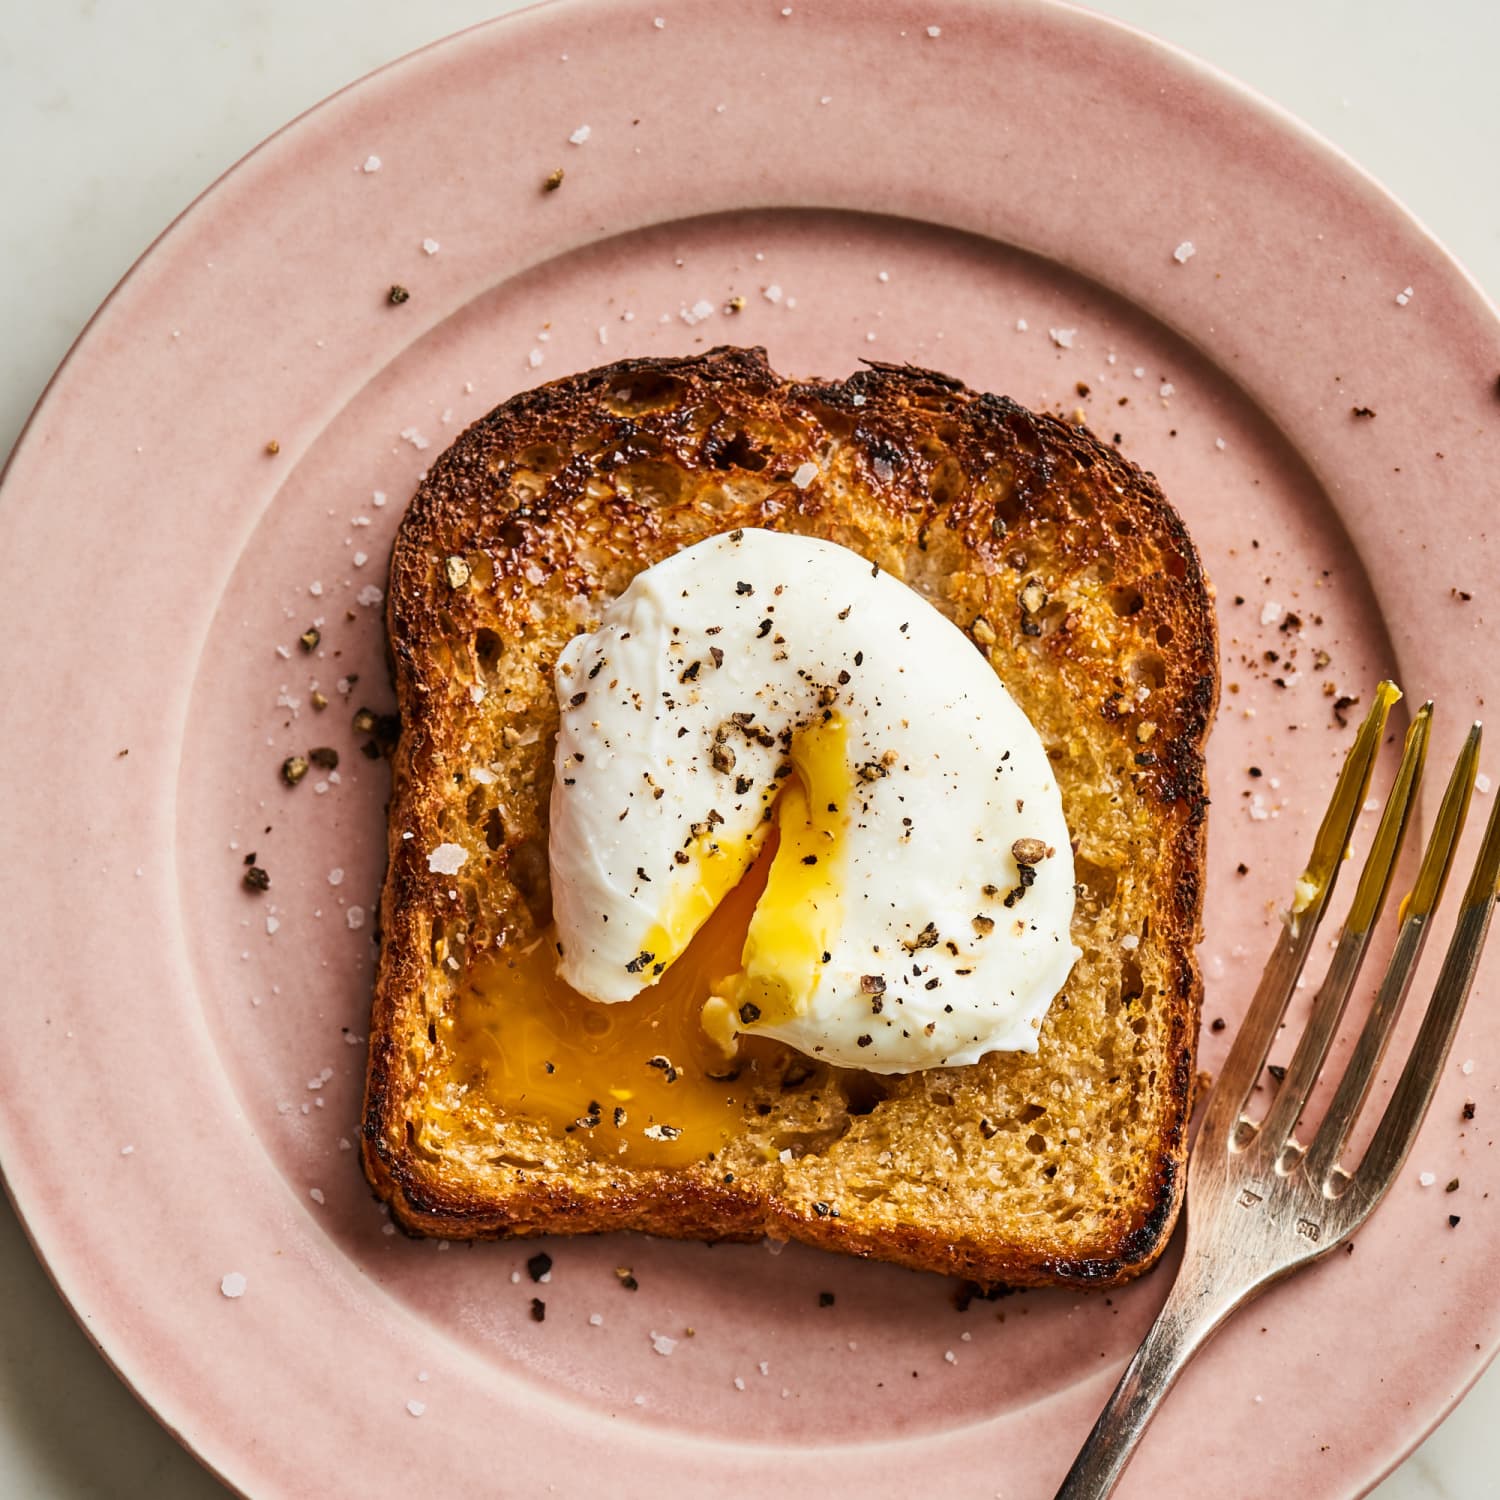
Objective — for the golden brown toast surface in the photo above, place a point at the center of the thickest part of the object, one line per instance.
(1064, 565)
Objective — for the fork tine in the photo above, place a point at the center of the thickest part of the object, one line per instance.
(1416, 912)
(1419, 1078)
(1256, 1033)
(1369, 899)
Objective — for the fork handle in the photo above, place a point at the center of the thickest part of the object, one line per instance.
(1192, 1314)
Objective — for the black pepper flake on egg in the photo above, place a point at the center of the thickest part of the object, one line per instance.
(717, 655)
(872, 984)
(865, 1040)
(538, 1310)
(577, 700)
(539, 1265)
(749, 1013)
(809, 859)
(764, 631)
(639, 962)
(743, 588)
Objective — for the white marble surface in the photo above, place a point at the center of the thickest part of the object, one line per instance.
(113, 116)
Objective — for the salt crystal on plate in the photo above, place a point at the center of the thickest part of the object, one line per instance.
(1402, 298)
(739, 1382)
(659, 23)
(662, 1344)
(234, 1284)
(934, 31)
(416, 1408)
(415, 438)
(345, 1144)
(316, 1194)
(430, 247)
(378, 498)
(951, 1357)
(335, 876)
(596, 1320)
(534, 358)
(1167, 389)
(1467, 1066)
(1482, 783)
(1184, 252)
(1270, 612)
(882, 276)
(447, 859)
(355, 917)
(126, 1150)
(272, 923)
(315, 588)
(370, 595)
(1062, 337)
(372, 164)
(1021, 325)
(771, 293)
(580, 135)
(805, 475)
(1427, 1179)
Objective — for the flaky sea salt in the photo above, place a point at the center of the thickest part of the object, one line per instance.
(580, 135)
(1184, 252)
(1427, 1179)
(771, 293)
(430, 247)
(804, 475)
(1270, 612)
(416, 1408)
(662, 1344)
(1062, 337)
(934, 31)
(371, 164)
(415, 438)
(336, 876)
(355, 917)
(1403, 297)
(316, 1194)
(447, 859)
(234, 1284)
(369, 596)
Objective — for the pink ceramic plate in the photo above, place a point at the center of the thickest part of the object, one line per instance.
(1037, 200)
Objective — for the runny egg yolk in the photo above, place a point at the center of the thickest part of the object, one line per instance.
(659, 1080)
(795, 920)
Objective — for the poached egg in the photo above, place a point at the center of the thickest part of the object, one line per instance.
(762, 685)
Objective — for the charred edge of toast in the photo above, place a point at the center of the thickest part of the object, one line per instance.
(693, 1207)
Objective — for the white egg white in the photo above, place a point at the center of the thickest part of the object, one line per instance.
(680, 716)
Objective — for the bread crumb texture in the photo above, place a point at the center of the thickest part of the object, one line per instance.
(1066, 568)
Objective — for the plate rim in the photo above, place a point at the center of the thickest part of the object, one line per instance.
(76, 1297)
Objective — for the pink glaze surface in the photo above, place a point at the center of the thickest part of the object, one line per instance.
(1001, 201)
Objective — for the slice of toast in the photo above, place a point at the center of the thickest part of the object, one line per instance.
(1067, 569)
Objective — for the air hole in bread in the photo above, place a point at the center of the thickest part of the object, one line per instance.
(438, 943)
(1099, 881)
(487, 649)
(1036, 1143)
(649, 482)
(1081, 503)
(940, 1096)
(1031, 1112)
(1175, 565)
(494, 829)
(1126, 601)
(474, 806)
(1149, 670)
(527, 867)
(641, 391)
(737, 452)
(946, 482)
(1164, 634)
(863, 1091)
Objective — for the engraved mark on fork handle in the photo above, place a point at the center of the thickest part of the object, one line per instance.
(1248, 1198)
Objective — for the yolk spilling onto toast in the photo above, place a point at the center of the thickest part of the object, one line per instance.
(610, 1073)
(659, 1080)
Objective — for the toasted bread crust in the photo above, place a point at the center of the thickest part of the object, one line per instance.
(556, 499)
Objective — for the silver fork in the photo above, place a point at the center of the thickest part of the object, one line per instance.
(1260, 1202)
